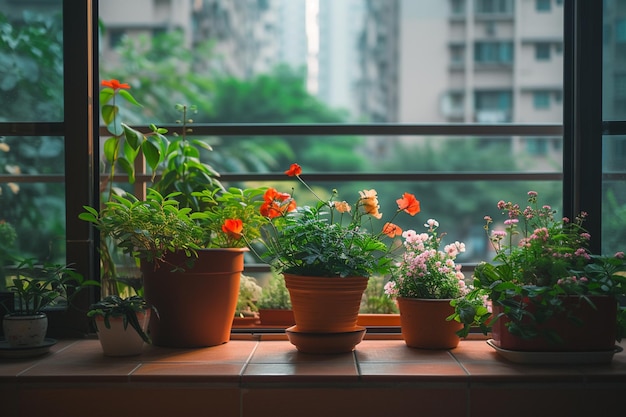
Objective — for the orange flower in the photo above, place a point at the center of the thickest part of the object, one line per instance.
(369, 200)
(392, 230)
(115, 84)
(276, 203)
(342, 207)
(409, 204)
(294, 170)
(233, 227)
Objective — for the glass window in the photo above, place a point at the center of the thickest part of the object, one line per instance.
(31, 62)
(494, 6)
(542, 51)
(543, 5)
(541, 100)
(32, 194)
(493, 52)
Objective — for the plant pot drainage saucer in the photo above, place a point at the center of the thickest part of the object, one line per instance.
(556, 358)
(325, 343)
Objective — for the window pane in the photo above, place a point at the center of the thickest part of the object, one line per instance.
(614, 194)
(321, 61)
(31, 61)
(614, 61)
(33, 195)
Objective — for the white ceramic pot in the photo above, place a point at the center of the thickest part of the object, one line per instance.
(117, 341)
(25, 331)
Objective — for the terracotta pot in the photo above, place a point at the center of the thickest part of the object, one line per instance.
(325, 305)
(424, 325)
(117, 341)
(276, 317)
(25, 331)
(594, 332)
(196, 305)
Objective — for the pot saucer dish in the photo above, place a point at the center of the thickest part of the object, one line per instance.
(307, 342)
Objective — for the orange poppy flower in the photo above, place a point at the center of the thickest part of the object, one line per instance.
(233, 227)
(294, 170)
(409, 204)
(115, 84)
(392, 230)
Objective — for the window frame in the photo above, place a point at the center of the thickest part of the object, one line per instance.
(582, 130)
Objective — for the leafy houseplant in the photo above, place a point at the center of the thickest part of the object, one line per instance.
(543, 270)
(114, 306)
(330, 239)
(327, 253)
(174, 162)
(274, 304)
(426, 280)
(37, 286)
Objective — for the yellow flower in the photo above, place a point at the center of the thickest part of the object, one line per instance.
(14, 187)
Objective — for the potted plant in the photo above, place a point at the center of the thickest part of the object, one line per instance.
(36, 286)
(191, 261)
(426, 280)
(187, 227)
(545, 290)
(274, 304)
(112, 316)
(327, 253)
(246, 312)
(176, 159)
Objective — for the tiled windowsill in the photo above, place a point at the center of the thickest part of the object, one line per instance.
(257, 376)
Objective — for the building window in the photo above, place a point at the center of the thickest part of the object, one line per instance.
(493, 52)
(536, 146)
(541, 100)
(542, 51)
(620, 31)
(543, 5)
(494, 6)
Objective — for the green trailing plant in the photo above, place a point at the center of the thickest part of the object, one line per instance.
(114, 306)
(36, 286)
(538, 260)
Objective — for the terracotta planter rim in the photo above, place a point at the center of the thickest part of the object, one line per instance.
(427, 299)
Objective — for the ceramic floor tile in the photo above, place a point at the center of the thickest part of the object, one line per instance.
(397, 351)
(411, 371)
(302, 372)
(284, 352)
(234, 351)
(503, 370)
(188, 372)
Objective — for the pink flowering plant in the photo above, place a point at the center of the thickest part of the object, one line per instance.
(425, 270)
(538, 258)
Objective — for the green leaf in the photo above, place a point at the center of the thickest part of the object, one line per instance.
(129, 97)
(108, 113)
(106, 94)
(128, 167)
(133, 137)
(152, 154)
(110, 149)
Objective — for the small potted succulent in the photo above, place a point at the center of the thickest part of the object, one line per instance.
(274, 304)
(112, 317)
(246, 312)
(544, 290)
(36, 286)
